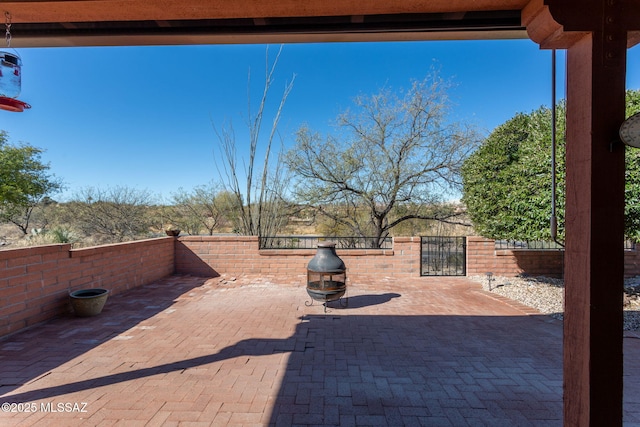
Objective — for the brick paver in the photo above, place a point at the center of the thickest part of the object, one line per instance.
(247, 351)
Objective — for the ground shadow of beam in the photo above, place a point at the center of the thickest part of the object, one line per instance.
(394, 370)
(422, 370)
(249, 347)
(67, 337)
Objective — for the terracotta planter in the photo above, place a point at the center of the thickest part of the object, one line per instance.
(88, 302)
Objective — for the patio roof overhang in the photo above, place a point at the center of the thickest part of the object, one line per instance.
(46, 23)
(596, 34)
(148, 22)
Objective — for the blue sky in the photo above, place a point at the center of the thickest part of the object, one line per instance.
(142, 116)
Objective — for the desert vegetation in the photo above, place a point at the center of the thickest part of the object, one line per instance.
(389, 169)
(109, 215)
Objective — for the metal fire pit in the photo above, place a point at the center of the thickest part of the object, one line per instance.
(326, 276)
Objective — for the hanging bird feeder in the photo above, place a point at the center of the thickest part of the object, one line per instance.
(10, 76)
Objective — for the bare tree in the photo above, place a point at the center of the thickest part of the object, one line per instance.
(118, 213)
(203, 208)
(258, 192)
(396, 159)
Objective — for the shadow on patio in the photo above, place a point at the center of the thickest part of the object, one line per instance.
(437, 352)
(30, 353)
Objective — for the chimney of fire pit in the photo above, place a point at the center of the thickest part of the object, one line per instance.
(326, 274)
(326, 260)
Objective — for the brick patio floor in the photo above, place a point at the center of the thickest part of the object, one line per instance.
(191, 351)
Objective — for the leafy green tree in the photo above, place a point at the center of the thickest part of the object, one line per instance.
(396, 158)
(507, 181)
(25, 181)
(632, 176)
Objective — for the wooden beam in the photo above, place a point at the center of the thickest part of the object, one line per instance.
(35, 11)
(594, 253)
(595, 32)
(557, 29)
(543, 29)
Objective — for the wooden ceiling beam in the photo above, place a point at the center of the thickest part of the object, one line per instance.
(545, 30)
(40, 11)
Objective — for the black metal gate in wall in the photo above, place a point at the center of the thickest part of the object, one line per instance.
(443, 256)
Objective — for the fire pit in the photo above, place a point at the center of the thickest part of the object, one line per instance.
(326, 275)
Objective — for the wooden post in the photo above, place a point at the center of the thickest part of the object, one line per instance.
(595, 34)
(594, 257)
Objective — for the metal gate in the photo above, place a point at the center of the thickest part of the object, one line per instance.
(443, 256)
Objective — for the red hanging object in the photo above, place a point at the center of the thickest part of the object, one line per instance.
(11, 104)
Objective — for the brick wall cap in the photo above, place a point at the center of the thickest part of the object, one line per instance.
(92, 250)
(218, 238)
(478, 239)
(34, 250)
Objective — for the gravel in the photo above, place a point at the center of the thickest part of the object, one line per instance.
(546, 295)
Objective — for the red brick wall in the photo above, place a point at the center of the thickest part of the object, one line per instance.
(631, 263)
(482, 257)
(236, 255)
(35, 282)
